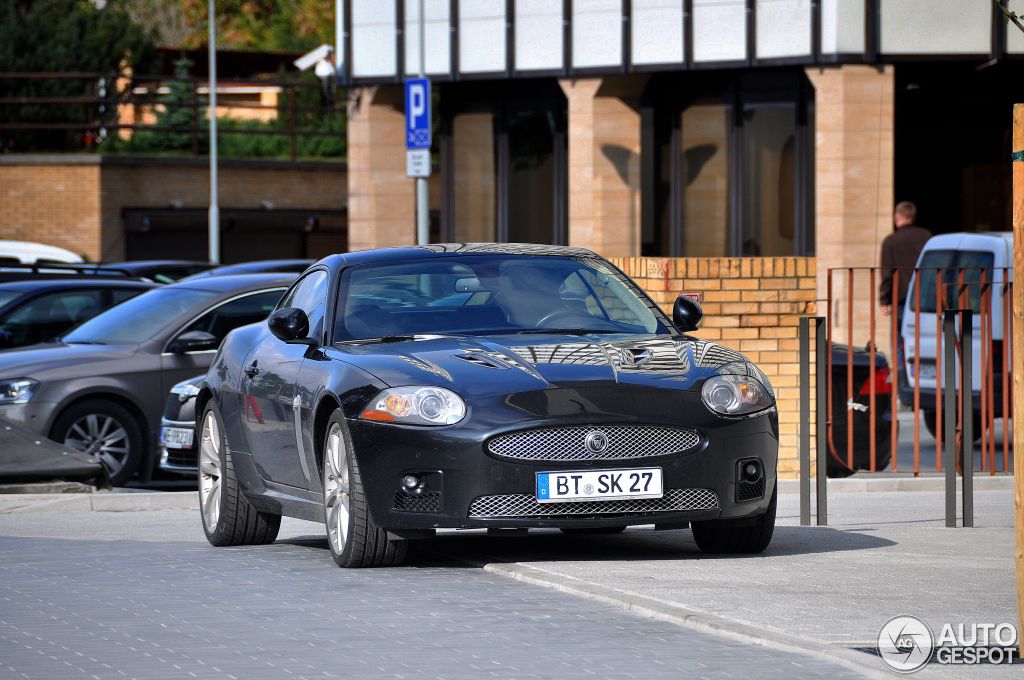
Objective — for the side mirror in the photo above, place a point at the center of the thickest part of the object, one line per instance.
(290, 325)
(193, 341)
(687, 314)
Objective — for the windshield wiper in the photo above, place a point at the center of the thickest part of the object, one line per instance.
(565, 331)
(83, 342)
(373, 341)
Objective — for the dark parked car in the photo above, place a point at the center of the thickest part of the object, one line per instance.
(256, 267)
(101, 388)
(41, 310)
(161, 271)
(860, 408)
(178, 445)
(397, 391)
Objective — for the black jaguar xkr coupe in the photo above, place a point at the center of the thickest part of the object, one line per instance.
(394, 392)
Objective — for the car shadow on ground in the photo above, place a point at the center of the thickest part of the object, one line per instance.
(460, 548)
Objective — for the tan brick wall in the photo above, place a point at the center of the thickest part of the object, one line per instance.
(604, 163)
(752, 305)
(76, 203)
(383, 200)
(56, 205)
(853, 169)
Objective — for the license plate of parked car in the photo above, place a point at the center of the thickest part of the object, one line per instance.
(927, 371)
(598, 485)
(177, 437)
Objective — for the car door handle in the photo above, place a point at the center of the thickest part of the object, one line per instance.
(251, 370)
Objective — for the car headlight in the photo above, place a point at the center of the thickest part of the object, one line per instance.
(735, 395)
(185, 390)
(17, 391)
(416, 406)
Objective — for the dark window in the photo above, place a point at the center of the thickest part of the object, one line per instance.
(950, 266)
(503, 156)
(242, 311)
(49, 316)
(728, 165)
(310, 295)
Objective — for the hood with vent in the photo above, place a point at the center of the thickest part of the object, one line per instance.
(487, 365)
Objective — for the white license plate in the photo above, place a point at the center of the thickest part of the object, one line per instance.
(177, 437)
(927, 371)
(598, 485)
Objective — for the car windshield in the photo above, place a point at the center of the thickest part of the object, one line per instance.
(492, 294)
(141, 317)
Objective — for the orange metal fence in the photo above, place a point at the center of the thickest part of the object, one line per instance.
(880, 365)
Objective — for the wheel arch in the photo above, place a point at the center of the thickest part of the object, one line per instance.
(326, 407)
(148, 463)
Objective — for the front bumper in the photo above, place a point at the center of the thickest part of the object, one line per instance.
(465, 486)
(176, 460)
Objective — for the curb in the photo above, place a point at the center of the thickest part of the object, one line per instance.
(868, 485)
(106, 502)
(689, 618)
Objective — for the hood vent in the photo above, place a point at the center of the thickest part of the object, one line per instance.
(485, 359)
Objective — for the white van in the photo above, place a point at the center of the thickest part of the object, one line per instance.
(974, 253)
(25, 252)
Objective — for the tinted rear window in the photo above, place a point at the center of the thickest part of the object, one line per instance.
(948, 266)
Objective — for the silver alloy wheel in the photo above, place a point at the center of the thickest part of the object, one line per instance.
(210, 477)
(337, 490)
(101, 436)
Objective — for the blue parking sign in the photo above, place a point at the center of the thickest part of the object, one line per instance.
(417, 113)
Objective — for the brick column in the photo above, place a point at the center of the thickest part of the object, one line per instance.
(382, 200)
(604, 163)
(853, 181)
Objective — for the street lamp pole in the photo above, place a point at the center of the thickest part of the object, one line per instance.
(422, 188)
(214, 221)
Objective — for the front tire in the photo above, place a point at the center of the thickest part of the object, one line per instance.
(355, 539)
(228, 517)
(104, 429)
(736, 540)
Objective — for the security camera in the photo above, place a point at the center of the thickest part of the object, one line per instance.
(311, 59)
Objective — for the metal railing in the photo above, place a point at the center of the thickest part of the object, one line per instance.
(873, 367)
(105, 102)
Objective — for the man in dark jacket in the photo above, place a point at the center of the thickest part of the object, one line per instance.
(900, 251)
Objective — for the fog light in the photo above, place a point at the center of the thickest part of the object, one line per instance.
(410, 482)
(751, 471)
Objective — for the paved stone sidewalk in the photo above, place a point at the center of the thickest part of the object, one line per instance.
(141, 595)
(885, 554)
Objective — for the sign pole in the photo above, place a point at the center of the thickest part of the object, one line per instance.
(213, 227)
(422, 188)
(1018, 354)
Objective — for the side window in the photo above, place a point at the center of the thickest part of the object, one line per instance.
(243, 311)
(609, 298)
(119, 295)
(310, 295)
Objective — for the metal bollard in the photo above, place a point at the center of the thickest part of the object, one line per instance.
(821, 406)
(805, 419)
(966, 390)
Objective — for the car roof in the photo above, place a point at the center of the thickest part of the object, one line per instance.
(146, 264)
(239, 283)
(33, 285)
(401, 253)
(28, 251)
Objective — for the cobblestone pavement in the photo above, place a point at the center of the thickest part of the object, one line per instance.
(141, 595)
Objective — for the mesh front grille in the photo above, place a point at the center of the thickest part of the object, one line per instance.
(748, 491)
(624, 442)
(526, 505)
(411, 502)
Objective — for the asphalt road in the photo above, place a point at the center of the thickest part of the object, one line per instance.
(142, 595)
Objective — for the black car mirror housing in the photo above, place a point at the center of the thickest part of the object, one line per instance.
(687, 314)
(290, 325)
(193, 341)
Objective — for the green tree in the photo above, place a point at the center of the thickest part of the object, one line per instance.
(64, 35)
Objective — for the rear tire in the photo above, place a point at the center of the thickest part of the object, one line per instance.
(227, 516)
(724, 540)
(354, 538)
(929, 424)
